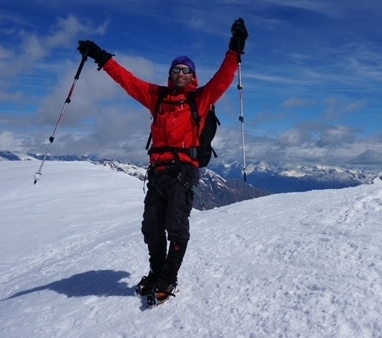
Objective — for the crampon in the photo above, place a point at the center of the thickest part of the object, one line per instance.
(159, 296)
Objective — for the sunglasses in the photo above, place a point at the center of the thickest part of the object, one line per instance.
(185, 70)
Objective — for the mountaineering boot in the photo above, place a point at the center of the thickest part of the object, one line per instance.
(160, 294)
(167, 282)
(146, 285)
(157, 253)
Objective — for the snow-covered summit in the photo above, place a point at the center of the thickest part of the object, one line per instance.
(287, 265)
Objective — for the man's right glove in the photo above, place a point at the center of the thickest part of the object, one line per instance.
(92, 50)
(239, 35)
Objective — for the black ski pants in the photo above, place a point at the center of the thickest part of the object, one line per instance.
(168, 204)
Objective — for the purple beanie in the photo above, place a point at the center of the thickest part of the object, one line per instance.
(183, 60)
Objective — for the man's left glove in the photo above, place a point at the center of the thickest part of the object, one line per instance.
(92, 50)
(239, 35)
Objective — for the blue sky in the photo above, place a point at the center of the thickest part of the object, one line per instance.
(311, 75)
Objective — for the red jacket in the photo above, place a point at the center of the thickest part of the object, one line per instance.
(174, 125)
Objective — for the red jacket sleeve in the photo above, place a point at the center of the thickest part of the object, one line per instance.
(218, 84)
(144, 92)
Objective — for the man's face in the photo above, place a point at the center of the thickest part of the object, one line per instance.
(181, 75)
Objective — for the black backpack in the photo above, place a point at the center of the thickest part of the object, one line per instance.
(202, 153)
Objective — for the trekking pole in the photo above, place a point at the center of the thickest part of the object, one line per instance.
(241, 117)
(67, 101)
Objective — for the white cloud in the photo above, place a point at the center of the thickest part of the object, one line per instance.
(294, 137)
(8, 141)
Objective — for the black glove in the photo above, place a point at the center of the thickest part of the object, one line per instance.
(239, 35)
(92, 50)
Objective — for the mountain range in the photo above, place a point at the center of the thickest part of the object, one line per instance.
(290, 177)
(223, 183)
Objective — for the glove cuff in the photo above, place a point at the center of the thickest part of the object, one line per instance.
(236, 44)
(101, 58)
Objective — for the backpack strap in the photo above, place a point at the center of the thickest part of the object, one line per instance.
(195, 113)
(189, 151)
(192, 101)
(162, 94)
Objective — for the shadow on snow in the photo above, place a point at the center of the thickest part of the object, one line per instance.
(102, 283)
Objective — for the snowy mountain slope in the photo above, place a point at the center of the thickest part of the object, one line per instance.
(295, 177)
(215, 191)
(287, 265)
